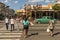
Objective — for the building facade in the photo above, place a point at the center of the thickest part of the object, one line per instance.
(5, 10)
(38, 11)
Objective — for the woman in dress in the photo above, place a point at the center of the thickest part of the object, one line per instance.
(51, 26)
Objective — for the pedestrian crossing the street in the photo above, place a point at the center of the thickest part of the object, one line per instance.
(7, 34)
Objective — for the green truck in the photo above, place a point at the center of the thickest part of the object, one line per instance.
(44, 19)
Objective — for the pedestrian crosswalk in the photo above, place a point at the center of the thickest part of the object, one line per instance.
(8, 35)
(9, 39)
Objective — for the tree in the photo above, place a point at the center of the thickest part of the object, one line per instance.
(56, 7)
(1, 16)
(28, 14)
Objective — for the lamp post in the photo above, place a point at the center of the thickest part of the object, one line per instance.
(35, 14)
(0, 10)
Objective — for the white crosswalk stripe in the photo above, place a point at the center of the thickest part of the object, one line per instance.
(9, 39)
(7, 35)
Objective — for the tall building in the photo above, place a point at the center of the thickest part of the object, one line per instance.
(5, 10)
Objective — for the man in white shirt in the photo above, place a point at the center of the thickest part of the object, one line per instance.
(6, 22)
(12, 23)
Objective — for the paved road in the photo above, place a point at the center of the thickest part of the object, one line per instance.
(42, 35)
(7, 34)
(36, 32)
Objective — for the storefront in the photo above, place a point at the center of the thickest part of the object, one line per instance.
(41, 13)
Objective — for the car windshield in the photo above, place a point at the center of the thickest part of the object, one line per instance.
(46, 17)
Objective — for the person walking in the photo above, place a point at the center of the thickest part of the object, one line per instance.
(18, 22)
(25, 27)
(51, 26)
(6, 22)
(12, 23)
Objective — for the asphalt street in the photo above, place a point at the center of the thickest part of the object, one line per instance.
(41, 35)
(38, 32)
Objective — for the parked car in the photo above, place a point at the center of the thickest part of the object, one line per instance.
(44, 19)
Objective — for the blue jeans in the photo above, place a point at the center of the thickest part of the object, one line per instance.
(12, 27)
(7, 26)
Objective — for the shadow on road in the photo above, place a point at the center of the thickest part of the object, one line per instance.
(32, 34)
(56, 33)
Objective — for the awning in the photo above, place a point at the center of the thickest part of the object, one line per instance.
(42, 10)
(19, 11)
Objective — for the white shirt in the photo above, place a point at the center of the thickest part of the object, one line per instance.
(6, 20)
(51, 23)
(12, 21)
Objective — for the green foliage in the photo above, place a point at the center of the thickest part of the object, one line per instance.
(1, 16)
(28, 14)
(56, 7)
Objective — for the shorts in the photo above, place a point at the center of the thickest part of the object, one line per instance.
(51, 29)
(26, 27)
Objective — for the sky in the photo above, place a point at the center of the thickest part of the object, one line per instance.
(18, 4)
